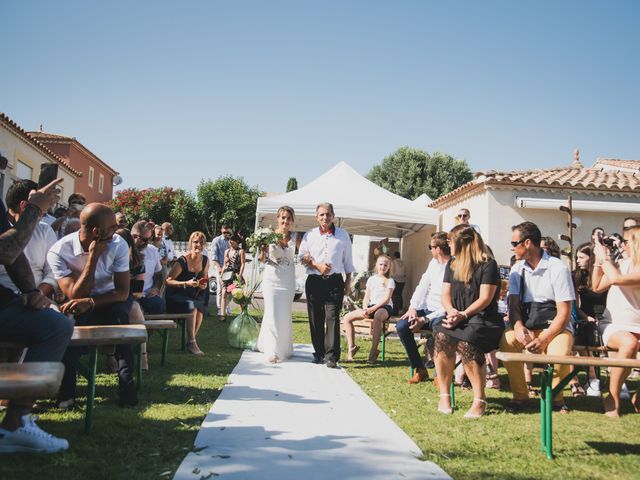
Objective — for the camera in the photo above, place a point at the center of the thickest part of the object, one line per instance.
(608, 242)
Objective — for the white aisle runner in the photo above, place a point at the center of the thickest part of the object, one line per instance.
(297, 420)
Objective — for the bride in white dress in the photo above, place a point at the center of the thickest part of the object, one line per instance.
(278, 289)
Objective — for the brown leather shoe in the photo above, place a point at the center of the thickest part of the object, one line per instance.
(419, 375)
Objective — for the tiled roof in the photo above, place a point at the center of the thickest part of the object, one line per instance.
(570, 178)
(36, 144)
(613, 162)
(46, 137)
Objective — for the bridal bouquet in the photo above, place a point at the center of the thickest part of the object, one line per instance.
(262, 237)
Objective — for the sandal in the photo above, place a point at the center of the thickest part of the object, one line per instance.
(192, 347)
(577, 390)
(373, 357)
(560, 408)
(470, 414)
(443, 410)
(352, 352)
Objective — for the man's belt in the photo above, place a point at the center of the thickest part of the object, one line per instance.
(327, 277)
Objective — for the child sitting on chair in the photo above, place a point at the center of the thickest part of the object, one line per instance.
(379, 307)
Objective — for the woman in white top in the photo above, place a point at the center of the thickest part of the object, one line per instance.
(620, 324)
(278, 289)
(379, 307)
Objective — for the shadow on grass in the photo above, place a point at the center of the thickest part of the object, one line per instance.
(616, 448)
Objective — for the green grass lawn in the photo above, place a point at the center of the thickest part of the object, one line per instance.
(150, 441)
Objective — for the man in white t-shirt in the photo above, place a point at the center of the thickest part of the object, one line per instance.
(464, 218)
(42, 238)
(92, 270)
(540, 297)
(425, 308)
(151, 301)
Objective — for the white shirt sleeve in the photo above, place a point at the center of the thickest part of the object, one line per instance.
(58, 265)
(419, 296)
(348, 255)
(121, 258)
(562, 285)
(47, 273)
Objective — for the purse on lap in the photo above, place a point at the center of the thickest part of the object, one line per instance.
(536, 315)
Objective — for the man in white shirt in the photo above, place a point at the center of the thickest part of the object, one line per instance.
(326, 252)
(92, 270)
(42, 238)
(151, 301)
(167, 229)
(464, 218)
(425, 308)
(540, 296)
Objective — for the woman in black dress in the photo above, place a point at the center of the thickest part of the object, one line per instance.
(187, 287)
(472, 326)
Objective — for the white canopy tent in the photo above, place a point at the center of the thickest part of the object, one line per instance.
(361, 206)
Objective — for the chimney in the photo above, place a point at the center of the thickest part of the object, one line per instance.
(576, 159)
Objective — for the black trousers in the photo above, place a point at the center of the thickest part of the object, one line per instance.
(114, 314)
(324, 304)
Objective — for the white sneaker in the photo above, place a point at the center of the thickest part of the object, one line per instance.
(624, 392)
(593, 390)
(30, 438)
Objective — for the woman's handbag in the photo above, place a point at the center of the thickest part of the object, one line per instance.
(227, 276)
(588, 334)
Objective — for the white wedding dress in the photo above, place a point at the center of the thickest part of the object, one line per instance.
(278, 289)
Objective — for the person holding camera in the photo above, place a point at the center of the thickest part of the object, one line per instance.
(540, 299)
(620, 324)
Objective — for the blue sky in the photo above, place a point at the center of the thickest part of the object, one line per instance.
(169, 93)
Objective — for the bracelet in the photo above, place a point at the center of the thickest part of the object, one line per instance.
(184, 285)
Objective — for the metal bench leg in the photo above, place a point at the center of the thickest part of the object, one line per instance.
(384, 337)
(452, 392)
(543, 403)
(91, 388)
(547, 414)
(183, 327)
(165, 346)
(139, 366)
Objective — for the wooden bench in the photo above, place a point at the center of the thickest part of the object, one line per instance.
(547, 392)
(363, 327)
(98, 335)
(30, 380)
(162, 326)
(179, 318)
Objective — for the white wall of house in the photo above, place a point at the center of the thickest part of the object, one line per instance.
(495, 212)
(24, 162)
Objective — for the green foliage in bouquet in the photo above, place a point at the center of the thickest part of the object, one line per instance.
(262, 237)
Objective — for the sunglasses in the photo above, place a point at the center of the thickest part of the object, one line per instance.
(431, 247)
(464, 215)
(515, 244)
(226, 233)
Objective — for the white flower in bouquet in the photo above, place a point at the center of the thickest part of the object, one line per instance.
(262, 237)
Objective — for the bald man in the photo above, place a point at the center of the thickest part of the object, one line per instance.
(92, 270)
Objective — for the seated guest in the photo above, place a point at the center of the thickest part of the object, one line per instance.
(425, 307)
(92, 269)
(39, 244)
(473, 325)
(540, 298)
(187, 287)
(151, 301)
(25, 319)
(136, 286)
(377, 297)
(550, 246)
(121, 220)
(159, 243)
(621, 319)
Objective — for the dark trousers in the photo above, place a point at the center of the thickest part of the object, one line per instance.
(114, 314)
(324, 303)
(45, 332)
(408, 340)
(398, 303)
(153, 305)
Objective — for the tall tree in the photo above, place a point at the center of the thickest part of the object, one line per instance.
(292, 184)
(410, 172)
(227, 200)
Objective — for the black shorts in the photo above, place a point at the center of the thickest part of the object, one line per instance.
(388, 308)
